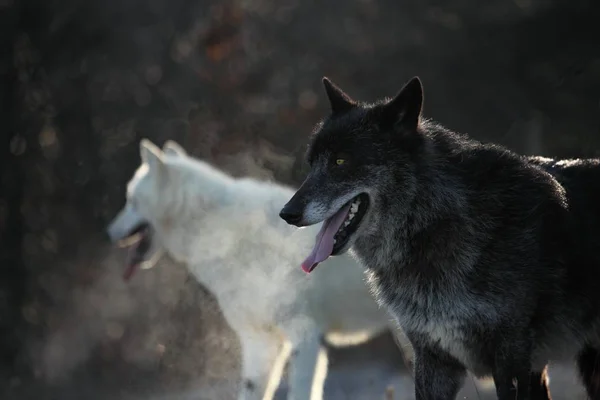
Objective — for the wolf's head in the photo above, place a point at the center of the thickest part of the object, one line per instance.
(361, 157)
(156, 204)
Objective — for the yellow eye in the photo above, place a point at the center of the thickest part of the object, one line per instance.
(340, 161)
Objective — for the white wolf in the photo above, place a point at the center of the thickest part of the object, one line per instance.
(228, 232)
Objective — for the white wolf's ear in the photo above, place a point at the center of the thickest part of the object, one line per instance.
(406, 107)
(174, 149)
(151, 155)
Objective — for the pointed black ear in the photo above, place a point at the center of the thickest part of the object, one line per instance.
(406, 107)
(340, 102)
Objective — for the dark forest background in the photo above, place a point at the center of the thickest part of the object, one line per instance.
(237, 83)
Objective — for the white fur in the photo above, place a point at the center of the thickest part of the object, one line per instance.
(229, 234)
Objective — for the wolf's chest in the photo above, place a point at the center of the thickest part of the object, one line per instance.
(442, 321)
(445, 329)
(448, 318)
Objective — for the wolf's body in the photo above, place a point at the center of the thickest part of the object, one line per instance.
(228, 234)
(488, 260)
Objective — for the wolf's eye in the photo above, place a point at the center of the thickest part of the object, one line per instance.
(340, 158)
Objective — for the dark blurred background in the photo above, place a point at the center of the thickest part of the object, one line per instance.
(237, 83)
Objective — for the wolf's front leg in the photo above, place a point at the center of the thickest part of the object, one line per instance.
(263, 361)
(438, 375)
(512, 368)
(307, 370)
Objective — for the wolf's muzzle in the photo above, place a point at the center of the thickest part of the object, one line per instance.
(294, 212)
(291, 215)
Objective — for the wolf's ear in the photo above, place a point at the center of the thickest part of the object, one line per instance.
(340, 102)
(172, 148)
(151, 155)
(406, 107)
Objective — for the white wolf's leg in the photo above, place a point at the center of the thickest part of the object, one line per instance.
(405, 347)
(263, 361)
(308, 368)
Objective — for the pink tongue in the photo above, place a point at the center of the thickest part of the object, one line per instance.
(324, 240)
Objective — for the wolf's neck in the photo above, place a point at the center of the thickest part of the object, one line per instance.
(424, 232)
(243, 236)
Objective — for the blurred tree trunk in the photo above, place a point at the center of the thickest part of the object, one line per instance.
(13, 278)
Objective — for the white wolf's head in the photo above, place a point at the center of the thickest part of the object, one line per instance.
(164, 197)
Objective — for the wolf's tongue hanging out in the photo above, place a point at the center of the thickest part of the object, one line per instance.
(324, 241)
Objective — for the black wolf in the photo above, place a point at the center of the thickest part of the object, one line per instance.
(488, 260)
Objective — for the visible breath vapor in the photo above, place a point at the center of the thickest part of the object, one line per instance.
(159, 324)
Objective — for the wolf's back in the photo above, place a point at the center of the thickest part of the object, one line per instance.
(581, 181)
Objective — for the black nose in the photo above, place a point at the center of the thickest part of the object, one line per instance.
(292, 217)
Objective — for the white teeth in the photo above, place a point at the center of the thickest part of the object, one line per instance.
(351, 215)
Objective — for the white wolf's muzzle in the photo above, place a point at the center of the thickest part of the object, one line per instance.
(132, 231)
(124, 223)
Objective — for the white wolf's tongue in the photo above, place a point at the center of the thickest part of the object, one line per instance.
(324, 240)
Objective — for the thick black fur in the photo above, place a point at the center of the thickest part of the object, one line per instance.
(489, 260)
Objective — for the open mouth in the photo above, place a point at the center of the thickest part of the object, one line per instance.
(138, 243)
(335, 234)
(354, 216)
